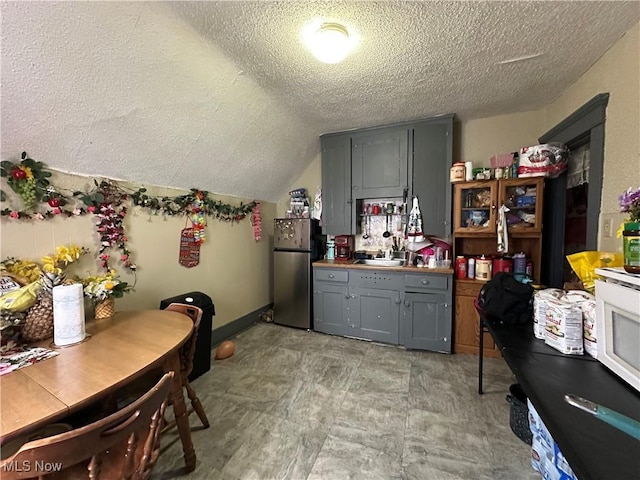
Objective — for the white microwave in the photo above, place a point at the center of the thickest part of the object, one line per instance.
(618, 323)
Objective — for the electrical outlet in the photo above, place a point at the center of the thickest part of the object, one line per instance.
(607, 228)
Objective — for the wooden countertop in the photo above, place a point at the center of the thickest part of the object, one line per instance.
(351, 264)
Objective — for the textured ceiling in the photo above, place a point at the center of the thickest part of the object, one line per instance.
(223, 96)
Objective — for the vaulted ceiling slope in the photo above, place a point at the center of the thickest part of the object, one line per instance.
(223, 95)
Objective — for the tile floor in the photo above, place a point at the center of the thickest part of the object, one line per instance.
(292, 404)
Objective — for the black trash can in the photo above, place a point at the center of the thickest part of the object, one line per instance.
(202, 354)
(519, 413)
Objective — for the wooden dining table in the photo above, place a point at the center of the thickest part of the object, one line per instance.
(119, 350)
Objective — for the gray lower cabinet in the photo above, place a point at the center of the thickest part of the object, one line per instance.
(413, 310)
(375, 314)
(425, 325)
(427, 314)
(331, 301)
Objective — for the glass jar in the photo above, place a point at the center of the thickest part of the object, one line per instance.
(631, 247)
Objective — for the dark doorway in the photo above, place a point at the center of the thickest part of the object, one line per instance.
(571, 212)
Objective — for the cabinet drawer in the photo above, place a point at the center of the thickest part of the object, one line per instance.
(429, 282)
(325, 275)
(469, 288)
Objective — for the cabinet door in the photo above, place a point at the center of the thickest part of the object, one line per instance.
(376, 314)
(330, 308)
(380, 163)
(475, 207)
(336, 185)
(432, 159)
(467, 321)
(523, 197)
(427, 321)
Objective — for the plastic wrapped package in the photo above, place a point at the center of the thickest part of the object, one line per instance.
(540, 309)
(563, 330)
(584, 265)
(546, 456)
(545, 160)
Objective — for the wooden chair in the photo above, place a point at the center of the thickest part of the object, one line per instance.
(186, 362)
(124, 445)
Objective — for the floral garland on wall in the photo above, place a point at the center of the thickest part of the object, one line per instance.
(107, 201)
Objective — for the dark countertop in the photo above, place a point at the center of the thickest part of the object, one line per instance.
(594, 449)
(350, 264)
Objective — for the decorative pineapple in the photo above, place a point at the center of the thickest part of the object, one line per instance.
(39, 322)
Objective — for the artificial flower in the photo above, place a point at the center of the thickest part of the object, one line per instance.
(100, 287)
(61, 258)
(630, 203)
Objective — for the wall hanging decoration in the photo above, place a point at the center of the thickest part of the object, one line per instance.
(256, 221)
(198, 220)
(189, 255)
(27, 178)
(108, 202)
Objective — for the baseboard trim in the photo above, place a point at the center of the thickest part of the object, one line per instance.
(231, 329)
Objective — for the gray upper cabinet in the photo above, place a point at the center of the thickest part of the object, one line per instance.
(379, 163)
(336, 184)
(432, 159)
(384, 162)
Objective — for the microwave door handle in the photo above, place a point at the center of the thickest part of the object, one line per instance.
(613, 418)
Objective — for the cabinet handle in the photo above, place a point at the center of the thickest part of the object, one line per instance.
(445, 305)
(407, 303)
(331, 275)
(353, 295)
(425, 282)
(355, 187)
(347, 296)
(493, 207)
(398, 301)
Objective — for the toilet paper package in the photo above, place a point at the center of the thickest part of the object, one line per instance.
(540, 309)
(563, 330)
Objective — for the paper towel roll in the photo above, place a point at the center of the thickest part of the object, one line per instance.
(468, 171)
(68, 314)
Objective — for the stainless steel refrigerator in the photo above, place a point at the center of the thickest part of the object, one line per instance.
(297, 242)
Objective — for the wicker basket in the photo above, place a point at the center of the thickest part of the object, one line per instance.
(38, 325)
(105, 308)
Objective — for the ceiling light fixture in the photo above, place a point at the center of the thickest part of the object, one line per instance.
(330, 42)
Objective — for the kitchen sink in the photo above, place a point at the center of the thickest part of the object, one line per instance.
(380, 262)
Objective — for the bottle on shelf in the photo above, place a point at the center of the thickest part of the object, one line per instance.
(471, 268)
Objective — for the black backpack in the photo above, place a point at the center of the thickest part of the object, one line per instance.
(504, 299)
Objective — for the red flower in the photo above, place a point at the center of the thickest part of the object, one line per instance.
(91, 208)
(14, 214)
(57, 211)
